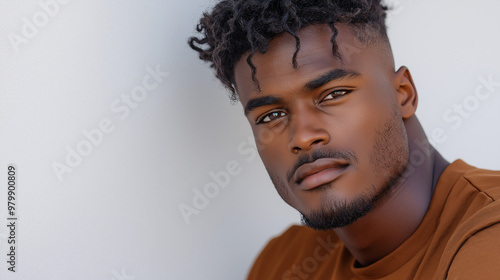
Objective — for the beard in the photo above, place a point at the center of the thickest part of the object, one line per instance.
(336, 213)
(389, 157)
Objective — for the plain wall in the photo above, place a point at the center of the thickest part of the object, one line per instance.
(114, 214)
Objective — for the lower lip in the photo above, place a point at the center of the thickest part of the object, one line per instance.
(323, 177)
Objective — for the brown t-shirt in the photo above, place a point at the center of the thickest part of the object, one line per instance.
(458, 239)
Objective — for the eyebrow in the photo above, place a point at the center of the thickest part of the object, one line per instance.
(336, 74)
(254, 103)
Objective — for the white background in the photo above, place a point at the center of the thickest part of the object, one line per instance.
(116, 215)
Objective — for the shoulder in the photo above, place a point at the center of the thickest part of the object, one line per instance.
(290, 248)
(478, 256)
(477, 203)
(467, 191)
(472, 213)
(484, 181)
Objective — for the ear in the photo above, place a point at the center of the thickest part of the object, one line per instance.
(406, 93)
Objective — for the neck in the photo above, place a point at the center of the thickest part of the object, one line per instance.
(395, 219)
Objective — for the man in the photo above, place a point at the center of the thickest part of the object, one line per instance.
(335, 126)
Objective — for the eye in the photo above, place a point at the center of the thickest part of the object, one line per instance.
(271, 117)
(336, 94)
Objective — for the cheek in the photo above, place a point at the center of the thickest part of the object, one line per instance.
(361, 124)
(265, 138)
(356, 125)
(271, 142)
(271, 146)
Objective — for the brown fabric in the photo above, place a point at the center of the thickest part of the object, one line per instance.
(458, 239)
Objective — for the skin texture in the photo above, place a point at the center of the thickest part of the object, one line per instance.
(342, 151)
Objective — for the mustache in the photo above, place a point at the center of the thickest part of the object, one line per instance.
(321, 153)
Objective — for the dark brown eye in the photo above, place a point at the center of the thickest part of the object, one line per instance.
(271, 116)
(336, 94)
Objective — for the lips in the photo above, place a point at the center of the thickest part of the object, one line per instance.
(319, 172)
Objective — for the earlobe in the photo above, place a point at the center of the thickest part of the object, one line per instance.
(407, 98)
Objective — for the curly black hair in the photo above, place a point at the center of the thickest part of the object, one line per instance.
(235, 27)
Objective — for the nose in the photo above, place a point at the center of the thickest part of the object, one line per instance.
(306, 131)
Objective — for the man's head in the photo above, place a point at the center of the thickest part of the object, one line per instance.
(328, 118)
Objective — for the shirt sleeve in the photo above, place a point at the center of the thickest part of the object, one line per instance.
(479, 256)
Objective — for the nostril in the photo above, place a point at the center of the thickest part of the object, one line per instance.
(317, 141)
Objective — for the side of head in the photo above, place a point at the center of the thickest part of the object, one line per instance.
(234, 28)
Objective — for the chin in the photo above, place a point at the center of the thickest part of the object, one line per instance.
(334, 212)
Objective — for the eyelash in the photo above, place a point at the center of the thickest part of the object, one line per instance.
(345, 91)
(261, 119)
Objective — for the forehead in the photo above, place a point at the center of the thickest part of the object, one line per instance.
(275, 71)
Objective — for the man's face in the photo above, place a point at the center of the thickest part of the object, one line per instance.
(330, 132)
